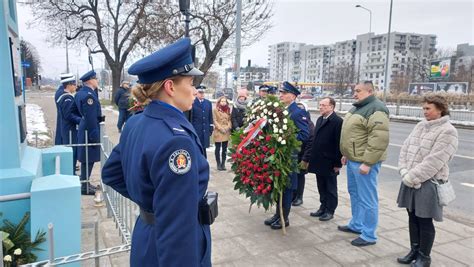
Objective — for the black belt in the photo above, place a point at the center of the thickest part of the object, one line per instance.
(207, 211)
(147, 217)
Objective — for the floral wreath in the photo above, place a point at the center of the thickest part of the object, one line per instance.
(261, 153)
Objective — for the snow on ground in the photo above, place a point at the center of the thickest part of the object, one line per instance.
(35, 124)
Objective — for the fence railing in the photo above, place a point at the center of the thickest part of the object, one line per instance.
(123, 211)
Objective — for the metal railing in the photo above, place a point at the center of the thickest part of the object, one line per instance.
(123, 211)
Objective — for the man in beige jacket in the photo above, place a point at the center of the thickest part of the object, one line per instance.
(364, 141)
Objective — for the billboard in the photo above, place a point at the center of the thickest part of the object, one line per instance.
(453, 87)
(421, 88)
(440, 69)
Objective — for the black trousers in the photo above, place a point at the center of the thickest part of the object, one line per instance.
(422, 232)
(221, 155)
(327, 188)
(301, 182)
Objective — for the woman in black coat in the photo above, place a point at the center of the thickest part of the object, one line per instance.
(238, 111)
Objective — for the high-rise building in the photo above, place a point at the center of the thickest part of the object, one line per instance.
(353, 60)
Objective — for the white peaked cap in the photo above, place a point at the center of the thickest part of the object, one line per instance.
(65, 75)
(68, 79)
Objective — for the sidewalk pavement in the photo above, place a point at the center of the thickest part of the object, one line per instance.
(240, 238)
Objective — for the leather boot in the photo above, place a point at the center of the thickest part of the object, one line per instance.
(218, 161)
(277, 224)
(411, 256)
(422, 260)
(272, 219)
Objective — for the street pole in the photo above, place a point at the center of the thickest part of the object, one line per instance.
(187, 20)
(387, 56)
(370, 16)
(237, 46)
(358, 68)
(67, 57)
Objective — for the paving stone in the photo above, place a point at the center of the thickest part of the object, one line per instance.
(385, 248)
(227, 250)
(387, 222)
(344, 253)
(456, 251)
(307, 256)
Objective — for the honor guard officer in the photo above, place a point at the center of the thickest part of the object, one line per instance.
(59, 92)
(159, 164)
(67, 116)
(89, 108)
(202, 117)
(288, 94)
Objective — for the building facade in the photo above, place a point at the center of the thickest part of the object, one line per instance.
(353, 60)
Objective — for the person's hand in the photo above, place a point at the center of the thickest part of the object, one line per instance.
(336, 169)
(407, 181)
(343, 160)
(303, 165)
(403, 172)
(364, 169)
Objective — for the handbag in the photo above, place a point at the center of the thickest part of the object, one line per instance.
(445, 191)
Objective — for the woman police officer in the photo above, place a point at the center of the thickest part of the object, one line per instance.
(160, 164)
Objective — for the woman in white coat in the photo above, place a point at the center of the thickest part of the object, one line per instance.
(424, 157)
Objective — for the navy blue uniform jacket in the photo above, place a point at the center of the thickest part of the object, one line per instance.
(88, 104)
(143, 167)
(202, 120)
(58, 137)
(68, 118)
(300, 119)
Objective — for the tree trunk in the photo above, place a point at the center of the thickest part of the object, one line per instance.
(116, 79)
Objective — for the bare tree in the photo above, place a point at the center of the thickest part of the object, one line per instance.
(343, 76)
(30, 55)
(213, 24)
(113, 28)
(399, 83)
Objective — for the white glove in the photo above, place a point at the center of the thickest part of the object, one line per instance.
(403, 172)
(410, 183)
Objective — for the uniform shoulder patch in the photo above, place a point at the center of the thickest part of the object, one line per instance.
(180, 161)
(90, 101)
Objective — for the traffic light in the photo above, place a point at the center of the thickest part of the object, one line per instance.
(249, 63)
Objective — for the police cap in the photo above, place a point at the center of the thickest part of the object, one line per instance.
(88, 76)
(289, 88)
(174, 59)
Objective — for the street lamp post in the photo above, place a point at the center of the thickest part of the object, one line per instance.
(370, 17)
(385, 83)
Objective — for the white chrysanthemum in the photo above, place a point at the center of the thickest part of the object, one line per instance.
(17, 251)
(7, 258)
(260, 137)
(265, 111)
(283, 142)
(275, 104)
(281, 131)
(285, 127)
(285, 121)
(277, 120)
(270, 113)
(262, 114)
(270, 121)
(274, 114)
(269, 103)
(249, 104)
(280, 139)
(285, 112)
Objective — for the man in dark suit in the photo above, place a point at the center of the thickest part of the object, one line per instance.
(201, 117)
(323, 157)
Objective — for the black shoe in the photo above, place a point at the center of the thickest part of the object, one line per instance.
(223, 167)
(421, 260)
(326, 217)
(411, 256)
(345, 228)
(297, 202)
(219, 168)
(277, 225)
(272, 219)
(317, 213)
(359, 242)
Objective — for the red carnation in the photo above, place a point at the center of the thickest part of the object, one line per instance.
(257, 143)
(277, 173)
(268, 138)
(272, 151)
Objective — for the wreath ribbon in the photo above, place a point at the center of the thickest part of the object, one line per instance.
(252, 130)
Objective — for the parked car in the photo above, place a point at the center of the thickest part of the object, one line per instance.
(306, 96)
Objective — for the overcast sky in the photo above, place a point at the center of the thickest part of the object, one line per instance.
(308, 21)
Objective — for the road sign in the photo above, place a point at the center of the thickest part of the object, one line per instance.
(25, 64)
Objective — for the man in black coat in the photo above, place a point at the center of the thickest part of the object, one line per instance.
(122, 101)
(323, 157)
